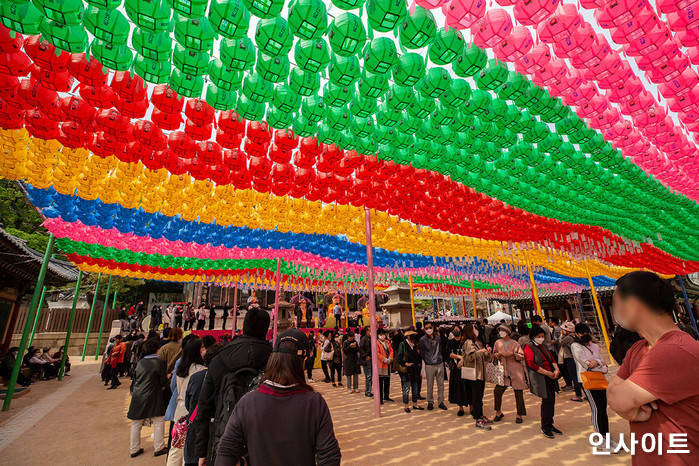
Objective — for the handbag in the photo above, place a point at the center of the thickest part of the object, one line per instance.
(495, 373)
(592, 380)
(327, 355)
(468, 373)
(398, 367)
(179, 430)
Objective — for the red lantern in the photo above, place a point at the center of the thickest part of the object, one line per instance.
(45, 55)
(231, 123)
(129, 88)
(132, 108)
(279, 155)
(15, 63)
(166, 100)
(35, 94)
(148, 134)
(258, 132)
(39, 125)
(73, 135)
(228, 141)
(8, 83)
(8, 43)
(100, 97)
(209, 152)
(60, 81)
(199, 112)
(181, 144)
(198, 133)
(166, 121)
(86, 71)
(76, 109)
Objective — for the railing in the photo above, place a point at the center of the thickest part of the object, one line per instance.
(56, 320)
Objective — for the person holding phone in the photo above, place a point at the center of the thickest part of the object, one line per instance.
(543, 375)
(474, 357)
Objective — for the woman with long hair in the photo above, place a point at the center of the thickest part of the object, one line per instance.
(508, 352)
(459, 389)
(474, 357)
(283, 407)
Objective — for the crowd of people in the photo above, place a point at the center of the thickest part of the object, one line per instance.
(39, 363)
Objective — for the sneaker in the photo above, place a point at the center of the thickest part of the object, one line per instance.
(430, 406)
(487, 421)
(613, 447)
(547, 433)
(480, 424)
(442, 406)
(556, 431)
(311, 380)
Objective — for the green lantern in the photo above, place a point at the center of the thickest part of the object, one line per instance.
(238, 54)
(461, 122)
(156, 72)
(328, 135)
(435, 82)
(380, 55)
(447, 46)
(408, 123)
(367, 146)
(249, 109)
(399, 140)
(301, 126)
(555, 112)
(427, 130)
(224, 77)
(456, 94)
(478, 103)
(538, 133)
(273, 36)
(388, 117)
(229, 18)
(348, 4)
(107, 25)
(190, 61)
(72, 39)
(418, 29)
(23, 18)
(338, 118)
(185, 84)
(189, 8)
(384, 15)
(303, 83)
(114, 58)
(257, 89)
(493, 75)
(312, 55)
(220, 99)
(265, 9)
(336, 96)
(344, 71)
(104, 4)
(399, 97)
(361, 127)
(285, 100)
(514, 87)
(151, 15)
(362, 107)
(372, 85)
(196, 34)
(273, 69)
(156, 47)
(443, 115)
(569, 125)
(313, 108)
(278, 119)
(495, 112)
(422, 107)
(346, 34)
(470, 62)
(386, 152)
(383, 134)
(409, 69)
(308, 19)
(65, 12)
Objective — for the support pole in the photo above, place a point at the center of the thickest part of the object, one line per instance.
(689, 306)
(372, 315)
(346, 309)
(92, 311)
(70, 326)
(38, 314)
(463, 305)
(28, 324)
(235, 310)
(535, 294)
(473, 298)
(412, 300)
(104, 315)
(599, 311)
(114, 300)
(578, 301)
(275, 316)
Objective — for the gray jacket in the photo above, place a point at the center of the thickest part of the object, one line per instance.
(430, 349)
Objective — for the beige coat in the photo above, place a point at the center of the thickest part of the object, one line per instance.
(512, 359)
(471, 359)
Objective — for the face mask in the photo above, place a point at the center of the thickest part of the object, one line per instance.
(539, 340)
(457, 333)
(429, 331)
(475, 332)
(502, 334)
(585, 339)
(382, 337)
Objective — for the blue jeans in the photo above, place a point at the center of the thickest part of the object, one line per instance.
(406, 385)
(573, 371)
(366, 367)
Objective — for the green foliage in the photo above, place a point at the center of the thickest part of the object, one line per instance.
(17, 213)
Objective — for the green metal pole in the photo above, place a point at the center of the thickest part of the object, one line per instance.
(27, 325)
(114, 300)
(92, 311)
(38, 313)
(104, 314)
(70, 326)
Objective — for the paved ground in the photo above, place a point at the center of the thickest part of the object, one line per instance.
(77, 421)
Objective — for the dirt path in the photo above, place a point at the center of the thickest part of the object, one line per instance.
(77, 421)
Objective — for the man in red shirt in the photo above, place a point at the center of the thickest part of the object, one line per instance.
(657, 386)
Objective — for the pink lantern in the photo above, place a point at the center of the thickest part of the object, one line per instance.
(617, 12)
(506, 2)
(688, 38)
(625, 90)
(461, 14)
(612, 71)
(621, 129)
(560, 25)
(516, 45)
(648, 42)
(532, 12)
(693, 55)
(572, 81)
(606, 119)
(641, 25)
(593, 4)
(430, 4)
(537, 58)
(578, 42)
(493, 28)
(582, 95)
(592, 56)
(555, 71)
(659, 57)
(680, 85)
(670, 6)
(684, 19)
(684, 103)
(594, 107)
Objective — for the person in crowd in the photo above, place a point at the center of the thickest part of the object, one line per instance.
(548, 341)
(167, 316)
(365, 358)
(191, 400)
(224, 315)
(212, 316)
(140, 314)
(309, 315)
(298, 315)
(337, 314)
(686, 326)
(385, 361)
(172, 404)
(359, 318)
(249, 350)
(124, 366)
(321, 316)
(8, 364)
(189, 364)
(350, 362)
(588, 357)
(523, 332)
(430, 350)
(566, 356)
(657, 387)
(153, 317)
(508, 352)
(336, 361)
(201, 316)
(208, 340)
(474, 356)
(543, 375)
(47, 366)
(408, 357)
(149, 389)
(459, 389)
(326, 354)
(178, 316)
(283, 407)
(165, 336)
(172, 351)
(46, 356)
(312, 352)
(123, 318)
(554, 324)
(116, 357)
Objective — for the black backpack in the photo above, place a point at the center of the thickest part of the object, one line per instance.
(234, 386)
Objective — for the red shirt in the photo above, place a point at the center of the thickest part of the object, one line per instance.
(670, 371)
(546, 358)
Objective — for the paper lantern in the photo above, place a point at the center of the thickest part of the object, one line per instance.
(265, 9)
(273, 37)
(561, 25)
(470, 62)
(461, 14)
(346, 34)
(530, 13)
(516, 45)
(153, 16)
(618, 12)
(492, 29)
(447, 46)
(536, 59)
(418, 29)
(372, 85)
(312, 55)
(229, 18)
(107, 25)
(273, 69)
(384, 15)
(153, 46)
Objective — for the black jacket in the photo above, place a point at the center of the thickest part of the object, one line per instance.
(149, 389)
(365, 349)
(191, 399)
(350, 358)
(243, 351)
(406, 354)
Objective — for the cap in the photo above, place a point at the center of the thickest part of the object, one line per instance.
(568, 327)
(296, 336)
